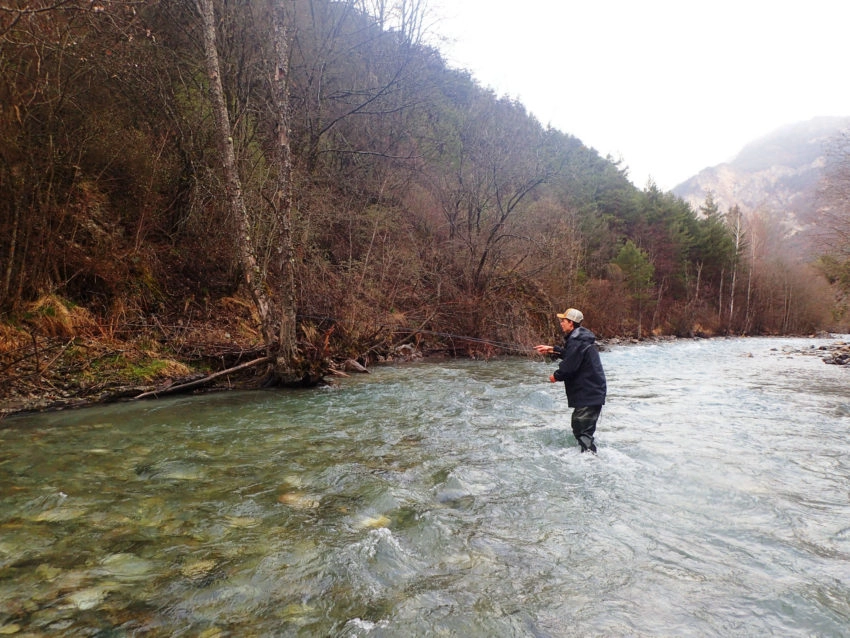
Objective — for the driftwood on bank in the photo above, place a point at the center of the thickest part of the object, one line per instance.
(351, 365)
(203, 381)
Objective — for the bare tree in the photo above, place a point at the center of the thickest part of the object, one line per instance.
(499, 159)
(735, 220)
(58, 59)
(350, 67)
(282, 199)
(832, 237)
(233, 184)
(834, 201)
(276, 307)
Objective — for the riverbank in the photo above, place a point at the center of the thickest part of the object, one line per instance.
(56, 372)
(60, 368)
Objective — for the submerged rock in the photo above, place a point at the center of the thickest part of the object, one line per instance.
(47, 572)
(127, 566)
(372, 522)
(87, 598)
(298, 501)
(58, 514)
(92, 597)
(199, 569)
(241, 522)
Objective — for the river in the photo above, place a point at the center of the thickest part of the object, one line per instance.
(445, 499)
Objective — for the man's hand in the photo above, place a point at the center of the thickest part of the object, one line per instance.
(544, 349)
(552, 378)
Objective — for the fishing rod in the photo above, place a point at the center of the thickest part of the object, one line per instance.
(446, 335)
(511, 347)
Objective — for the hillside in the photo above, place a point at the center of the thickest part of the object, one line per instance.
(175, 205)
(777, 174)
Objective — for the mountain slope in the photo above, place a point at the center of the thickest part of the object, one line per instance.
(777, 175)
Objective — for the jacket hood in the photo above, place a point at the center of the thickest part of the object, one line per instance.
(583, 335)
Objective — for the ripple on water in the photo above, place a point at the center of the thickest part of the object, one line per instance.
(446, 499)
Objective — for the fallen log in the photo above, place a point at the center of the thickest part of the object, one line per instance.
(351, 365)
(203, 381)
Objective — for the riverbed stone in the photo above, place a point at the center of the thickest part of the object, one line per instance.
(198, 569)
(836, 353)
(298, 501)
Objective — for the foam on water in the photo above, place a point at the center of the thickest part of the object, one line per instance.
(446, 499)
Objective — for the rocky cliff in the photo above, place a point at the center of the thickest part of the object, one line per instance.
(777, 175)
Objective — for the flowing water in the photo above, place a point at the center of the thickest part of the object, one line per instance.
(445, 499)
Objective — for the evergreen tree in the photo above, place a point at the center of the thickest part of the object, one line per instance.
(637, 271)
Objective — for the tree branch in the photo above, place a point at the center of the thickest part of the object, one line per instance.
(199, 382)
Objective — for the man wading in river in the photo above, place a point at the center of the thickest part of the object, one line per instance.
(581, 371)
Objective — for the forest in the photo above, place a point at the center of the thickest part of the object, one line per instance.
(200, 184)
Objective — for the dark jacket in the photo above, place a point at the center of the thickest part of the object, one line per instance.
(580, 369)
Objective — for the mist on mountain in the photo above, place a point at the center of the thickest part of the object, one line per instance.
(777, 175)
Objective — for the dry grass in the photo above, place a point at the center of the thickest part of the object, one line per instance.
(52, 316)
(12, 339)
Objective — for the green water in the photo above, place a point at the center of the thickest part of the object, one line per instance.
(442, 499)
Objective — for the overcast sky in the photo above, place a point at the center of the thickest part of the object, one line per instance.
(669, 86)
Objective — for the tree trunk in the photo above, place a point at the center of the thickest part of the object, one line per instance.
(5, 298)
(250, 266)
(275, 295)
(747, 312)
(720, 297)
(738, 234)
(282, 199)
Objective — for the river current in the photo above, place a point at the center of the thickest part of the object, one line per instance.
(445, 499)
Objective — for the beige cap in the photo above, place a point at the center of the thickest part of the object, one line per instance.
(573, 315)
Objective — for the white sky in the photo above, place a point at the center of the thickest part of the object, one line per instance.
(669, 86)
